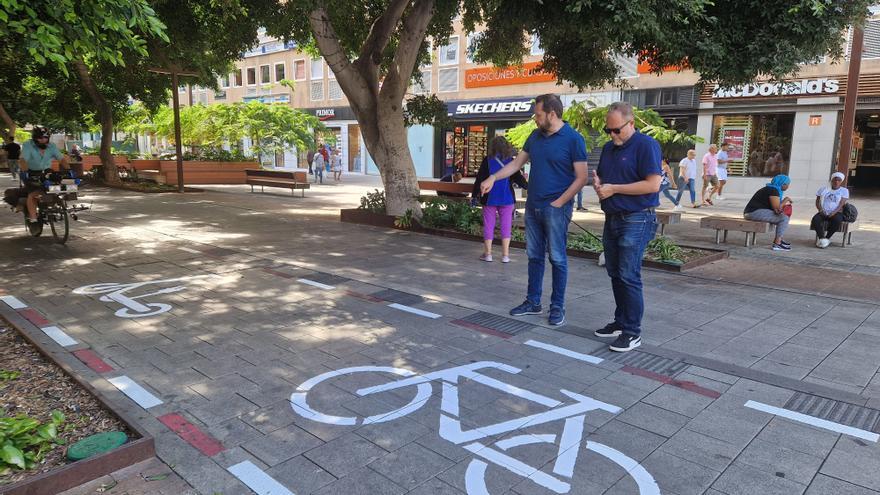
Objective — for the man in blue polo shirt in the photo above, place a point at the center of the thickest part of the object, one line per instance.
(627, 182)
(559, 170)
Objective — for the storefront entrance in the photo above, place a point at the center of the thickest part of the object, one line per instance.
(865, 158)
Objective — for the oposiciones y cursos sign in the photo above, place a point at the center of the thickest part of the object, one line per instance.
(794, 88)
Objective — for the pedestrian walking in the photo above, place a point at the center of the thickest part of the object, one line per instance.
(627, 182)
(318, 166)
(723, 160)
(310, 156)
(13, 154)
(687, 177)
(558, 156)
(830, 202)
(666, 182)
(336, 165)
(710, 174)
(500, 202)
(768, 204)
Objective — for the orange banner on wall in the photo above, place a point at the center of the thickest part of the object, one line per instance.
(482, 77)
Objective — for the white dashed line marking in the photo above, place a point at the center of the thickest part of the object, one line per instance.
(811, 420)
(563, 351)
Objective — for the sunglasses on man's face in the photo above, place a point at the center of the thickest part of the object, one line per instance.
(616, 130)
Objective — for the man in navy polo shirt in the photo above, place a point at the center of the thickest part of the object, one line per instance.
(559, 170)
(627, 181)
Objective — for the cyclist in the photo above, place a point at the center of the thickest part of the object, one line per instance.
(36, 157)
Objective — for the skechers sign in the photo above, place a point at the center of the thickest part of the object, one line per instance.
(490, 108)
(803, 87)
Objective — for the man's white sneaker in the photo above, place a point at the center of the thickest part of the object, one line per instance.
(824, 243)
(719, 198)
(678, 208)
(818, 242)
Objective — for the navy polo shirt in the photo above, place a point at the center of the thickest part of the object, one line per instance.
(632, 161)
(552, 158)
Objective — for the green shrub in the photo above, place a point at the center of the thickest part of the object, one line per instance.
(585, 242)
(663, 249)
(374, 201)
(24, 441)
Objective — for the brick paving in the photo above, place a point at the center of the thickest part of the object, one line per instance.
(274, 292)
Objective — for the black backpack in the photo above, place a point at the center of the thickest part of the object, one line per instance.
(850, 213)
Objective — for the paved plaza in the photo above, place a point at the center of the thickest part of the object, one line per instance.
(270, 348)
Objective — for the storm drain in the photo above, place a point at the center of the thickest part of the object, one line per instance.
(398, 297)
(497, 323)
(840, 412)
(326, 278)
(643, 360)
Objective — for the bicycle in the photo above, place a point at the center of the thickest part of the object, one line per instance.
(450, 428)
(52, 207)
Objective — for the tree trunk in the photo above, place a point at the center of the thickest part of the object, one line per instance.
(386, 139)
(7, 120)
(105, 115)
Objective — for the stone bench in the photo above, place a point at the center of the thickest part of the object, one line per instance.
(665, 218)
(846, 230)
(724, 224)
(277, 178)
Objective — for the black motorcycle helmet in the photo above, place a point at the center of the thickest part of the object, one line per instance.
(39, 132)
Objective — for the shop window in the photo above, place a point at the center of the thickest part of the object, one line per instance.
(252, 76)
(667, 96)
(224, 81)
(236, 78)
(334, 92)
(265, 75)
(447, 80)
(469, 48)
(316, 90)
(299, 70)
(872, 40)
(760, 143)
(279, 72)
(449, 52)
(423, 84)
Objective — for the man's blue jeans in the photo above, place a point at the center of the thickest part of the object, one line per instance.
(625, 237)
(690, 186)
(547, 232)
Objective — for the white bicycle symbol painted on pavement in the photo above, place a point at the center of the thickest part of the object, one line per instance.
(450, 428)
(131, 307)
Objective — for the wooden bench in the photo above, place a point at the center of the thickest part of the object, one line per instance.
(665, 218)
(277, 178)
(751, 228)
(846, 230)
(449, 187)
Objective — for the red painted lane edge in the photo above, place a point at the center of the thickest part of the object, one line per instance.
(92, 360)
(34, 316)
(480, 328)
(689, 386)
(192, 434)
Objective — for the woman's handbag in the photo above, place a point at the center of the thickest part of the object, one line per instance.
(787, 210)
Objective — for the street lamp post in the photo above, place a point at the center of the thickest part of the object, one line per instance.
(848, 121)
(175, 73)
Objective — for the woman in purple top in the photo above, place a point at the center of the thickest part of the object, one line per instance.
(500, 201)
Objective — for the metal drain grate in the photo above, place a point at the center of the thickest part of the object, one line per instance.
(832, 410)
(498, 323)
(643, 360)
(398, 297)
(326, 278)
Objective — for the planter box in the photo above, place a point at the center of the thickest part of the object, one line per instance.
(79, 472)
(366, 217)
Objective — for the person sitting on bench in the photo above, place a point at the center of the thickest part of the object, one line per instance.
(451, 178)
(830, 202)
(768, 205)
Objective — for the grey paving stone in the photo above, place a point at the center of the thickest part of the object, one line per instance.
(281, 444)
(761, 392)
(497, 479)
(300, 475)
(233, 432)
(676, 475)
(740, 479)
(798, 436)
(780, 461)
(678, 400)
(701, 449)
(223, 386)
(781, 369)
(632, 441)
(393, 435)
(854, 461)
(362, 481)
(343, 455)
(212, 413)
(653, 419)
(435, 487)
(823, 485)
(411, 465)
(733, 429)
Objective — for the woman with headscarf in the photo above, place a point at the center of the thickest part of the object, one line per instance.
(829, 202)
(767, 205)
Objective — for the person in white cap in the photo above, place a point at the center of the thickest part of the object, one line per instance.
(829, 202)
